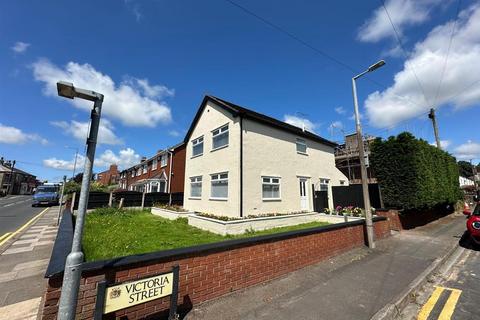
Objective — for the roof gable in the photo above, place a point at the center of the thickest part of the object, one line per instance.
(237, 110)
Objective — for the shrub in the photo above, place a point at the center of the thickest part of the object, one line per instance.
(413, 174)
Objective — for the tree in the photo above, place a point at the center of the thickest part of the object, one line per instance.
(79, 176)
(465, 169)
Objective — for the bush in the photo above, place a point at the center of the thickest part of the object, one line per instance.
(413, 174)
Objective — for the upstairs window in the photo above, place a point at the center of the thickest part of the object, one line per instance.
(145, 168)
(301, 146)
(139, 171)
(219, 187)
(133, 173)
(270, 188)
(197, 147)
(154, 164)
(220, 137)
(196, 187)
(163, 160)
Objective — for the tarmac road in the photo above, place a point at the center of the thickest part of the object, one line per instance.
(15, 211)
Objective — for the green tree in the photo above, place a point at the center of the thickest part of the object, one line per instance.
(465, 169)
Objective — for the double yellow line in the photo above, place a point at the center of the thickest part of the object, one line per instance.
(448, 308)
(9, 235)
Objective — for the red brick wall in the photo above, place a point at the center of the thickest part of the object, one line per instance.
(393, 218)
(208, 275)
(178, 169)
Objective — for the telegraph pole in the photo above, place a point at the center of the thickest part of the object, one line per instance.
(431, 115)
(12, 180)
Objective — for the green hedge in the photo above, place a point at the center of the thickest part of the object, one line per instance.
(413, 174)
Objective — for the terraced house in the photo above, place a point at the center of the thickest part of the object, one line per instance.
(164, 172)
(240, 162)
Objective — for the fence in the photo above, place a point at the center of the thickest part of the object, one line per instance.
(130, 199)
(352, 195)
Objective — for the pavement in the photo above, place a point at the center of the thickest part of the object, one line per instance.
(355, 285)
(24, 256)
(452, 294)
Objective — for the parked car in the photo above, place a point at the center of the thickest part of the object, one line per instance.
(473, 224)
(46, 195)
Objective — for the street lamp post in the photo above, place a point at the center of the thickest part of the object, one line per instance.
(73, 264)
(361, 151)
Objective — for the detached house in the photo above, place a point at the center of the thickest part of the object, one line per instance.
(164, 172)
(240, 162)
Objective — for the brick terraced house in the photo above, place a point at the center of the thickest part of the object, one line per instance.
(164, 172)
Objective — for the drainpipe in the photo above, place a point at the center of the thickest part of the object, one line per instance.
(241, 166)
(170, 153)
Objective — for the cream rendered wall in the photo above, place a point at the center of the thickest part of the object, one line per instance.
(272, 152)
(221, 160)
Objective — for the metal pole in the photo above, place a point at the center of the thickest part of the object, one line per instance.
(73, 264)
(75, 163)
(61, 200)
(12, 180)
(363, 169)
(431, 115)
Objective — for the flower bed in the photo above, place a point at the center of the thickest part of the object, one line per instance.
(224, 226)
(170, 212)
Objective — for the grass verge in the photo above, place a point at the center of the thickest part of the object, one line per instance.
(111, 233)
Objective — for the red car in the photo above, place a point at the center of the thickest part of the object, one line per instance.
(473, 225)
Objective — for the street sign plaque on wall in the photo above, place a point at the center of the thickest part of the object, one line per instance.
(120, 296)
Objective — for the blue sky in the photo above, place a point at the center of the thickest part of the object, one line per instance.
(154, 61)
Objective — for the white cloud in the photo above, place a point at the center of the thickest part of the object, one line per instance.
(60, 164)
(133, 101)
(335, 126)
(135, 9)
(405, 100)
(404, 13)
(300, 122)
(20, 47)
(443, 143)
(340, 110)
(79, 130)
(174, 133)
(468, 150)
(124, 159)
(12, 135)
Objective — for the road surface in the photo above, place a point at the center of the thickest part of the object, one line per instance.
(15, 211)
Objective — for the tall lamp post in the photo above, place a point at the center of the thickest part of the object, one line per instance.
(361, 151)
(73, 264)
(75, 161)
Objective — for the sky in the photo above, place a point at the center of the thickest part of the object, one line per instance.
(292, 60)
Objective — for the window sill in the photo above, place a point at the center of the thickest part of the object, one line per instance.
(163, 166)
(219, 148)
(154, 169)
(272, 199)
(218, 199)
(195, 198)
(198, 155)
(302, 153)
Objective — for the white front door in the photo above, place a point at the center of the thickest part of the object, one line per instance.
(303, 194)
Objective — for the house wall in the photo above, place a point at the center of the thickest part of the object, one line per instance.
(221, 160)
(272, 152)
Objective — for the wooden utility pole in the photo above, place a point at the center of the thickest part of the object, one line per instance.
(431, 115)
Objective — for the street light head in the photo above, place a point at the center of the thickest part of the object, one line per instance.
(66, 89)
(375, 66)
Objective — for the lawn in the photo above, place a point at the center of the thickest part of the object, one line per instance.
(111, 233)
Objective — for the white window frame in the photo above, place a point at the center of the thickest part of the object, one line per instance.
(214, 178)
(139, 171)
(196, 180)
(144, 168)
(323, 182)
(218, 132)
(163, 160)
(133, 172)
(195, 142)
(300, 141)
(270, 182)
(154, 164)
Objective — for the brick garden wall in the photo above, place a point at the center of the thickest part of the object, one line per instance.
(212, 272)
(399, 221)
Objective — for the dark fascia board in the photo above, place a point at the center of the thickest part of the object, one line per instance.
(168, 255)
(236, 110)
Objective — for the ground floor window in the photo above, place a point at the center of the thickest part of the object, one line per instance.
(324, 184)
(196, 187)
(219, 187)
(271, 188)
(163, 186)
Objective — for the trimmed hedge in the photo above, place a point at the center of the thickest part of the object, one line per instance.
(413, 174)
